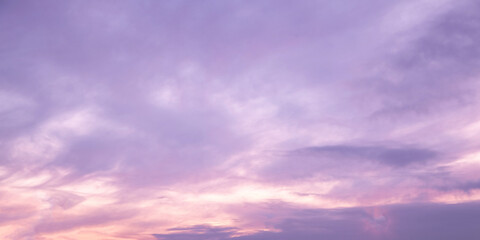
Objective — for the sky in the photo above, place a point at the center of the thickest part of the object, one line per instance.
(239, 119)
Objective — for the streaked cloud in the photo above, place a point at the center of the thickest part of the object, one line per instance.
(239, 119)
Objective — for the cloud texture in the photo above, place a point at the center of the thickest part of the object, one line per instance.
(223, 120)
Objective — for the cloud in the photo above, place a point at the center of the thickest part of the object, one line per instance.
(131, 118)
(391, 222)
(200, 232)
(345, 160)
(395, 157)
(61, 223)
(436, 70)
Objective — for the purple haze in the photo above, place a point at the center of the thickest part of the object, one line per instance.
(240, 120)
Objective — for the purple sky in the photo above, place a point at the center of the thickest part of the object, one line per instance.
(240, 120)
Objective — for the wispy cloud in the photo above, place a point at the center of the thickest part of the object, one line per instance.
(239, 119)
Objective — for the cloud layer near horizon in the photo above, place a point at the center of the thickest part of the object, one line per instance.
(222, 120)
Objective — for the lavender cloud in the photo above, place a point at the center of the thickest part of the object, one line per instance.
(386, 222)
(163, 113)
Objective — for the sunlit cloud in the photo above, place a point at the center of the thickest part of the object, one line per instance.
(239, 120)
